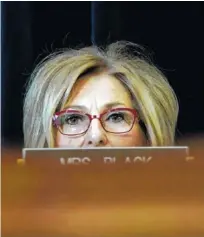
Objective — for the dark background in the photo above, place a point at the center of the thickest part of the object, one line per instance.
(174, 31)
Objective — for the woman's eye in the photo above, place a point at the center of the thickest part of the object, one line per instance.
(73, 119)
(115, 118)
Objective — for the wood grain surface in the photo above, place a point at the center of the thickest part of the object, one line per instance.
(164, 200)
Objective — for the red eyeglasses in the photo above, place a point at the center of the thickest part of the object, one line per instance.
(73, 122)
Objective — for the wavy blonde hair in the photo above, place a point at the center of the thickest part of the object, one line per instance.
(53, 79)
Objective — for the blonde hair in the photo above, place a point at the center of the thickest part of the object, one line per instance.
(53, 79)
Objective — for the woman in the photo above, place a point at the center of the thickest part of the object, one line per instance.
(94, 97)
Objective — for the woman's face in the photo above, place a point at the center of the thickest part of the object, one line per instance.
(95, 95)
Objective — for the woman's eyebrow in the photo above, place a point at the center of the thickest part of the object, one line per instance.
(113, 104)
(104, 107)
(76, 107)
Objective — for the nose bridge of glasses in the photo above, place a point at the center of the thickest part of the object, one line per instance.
(97, 122)
(95, 117)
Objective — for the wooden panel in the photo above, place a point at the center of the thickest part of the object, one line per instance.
(134, 200)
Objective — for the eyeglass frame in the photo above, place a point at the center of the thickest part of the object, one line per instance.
(91, 117)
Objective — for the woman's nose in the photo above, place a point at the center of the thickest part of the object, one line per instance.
(96, 135)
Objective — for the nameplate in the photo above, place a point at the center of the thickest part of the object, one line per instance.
(87, 156)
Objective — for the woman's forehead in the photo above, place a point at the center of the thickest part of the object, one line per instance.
(100, 90)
